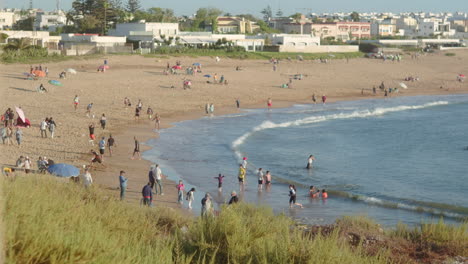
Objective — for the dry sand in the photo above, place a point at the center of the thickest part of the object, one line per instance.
(138, 77)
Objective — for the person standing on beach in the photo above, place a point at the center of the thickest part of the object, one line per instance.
(310, 161)
(52, 125)
(324, 99)
(238, 103)
(86, 178)
(149, 112)
(220, 182)
(137, 148)
(103, 121)
(260, 179)
(123, 184)
(110, 144)
(137, 114)
(102, 147)
(292, 197)
(314, 99)
(241, 177)
(151, 175)
(207, 207)
(147, 194)
(76, 102)
(43, 128)
(157, 120)
(190, 197)
(19, 135)
(158, 174)
(269, 103)
(212, 108)
(92, 137)
(27, 165)
(244, 162)
(180, 192)
(207, 108)
(88, 109)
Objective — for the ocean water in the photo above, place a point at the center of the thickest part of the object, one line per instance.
(397, 159)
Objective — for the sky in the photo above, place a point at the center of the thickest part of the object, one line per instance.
(188, 7)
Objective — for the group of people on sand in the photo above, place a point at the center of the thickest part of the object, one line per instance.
(7, 131)
(149, 112)
(314, 99)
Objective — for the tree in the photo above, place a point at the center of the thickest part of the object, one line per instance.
(354, 16)
(133, 6)
(267, 13)
(18, 44)
(248, 17)
(279, 13)
(206, 17)
(25, 24)
(296, 16)
(3, 37)
(102, 14)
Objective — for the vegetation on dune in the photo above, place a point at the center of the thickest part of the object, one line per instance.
(236, 54)
(51, 221)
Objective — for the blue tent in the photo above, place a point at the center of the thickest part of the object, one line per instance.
(64, 170)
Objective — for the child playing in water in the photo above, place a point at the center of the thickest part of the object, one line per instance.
(292, 197)
(324, 194)
(220, 182)
(313, 192)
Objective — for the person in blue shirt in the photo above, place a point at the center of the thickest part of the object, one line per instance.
(147, 194)
(123, 185)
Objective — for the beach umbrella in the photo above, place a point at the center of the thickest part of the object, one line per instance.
(56, 83)
(70, 70)
(20, 113)
(402, 85)
(207, 75)
(461, 75)
(177, 67)
(63, 170)
(196, 64)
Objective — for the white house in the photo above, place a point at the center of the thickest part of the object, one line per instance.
(50, 21)
(431, 27)
(7, 19)
(294, 40)
(40, 38)
(82, 44)
(156, 29)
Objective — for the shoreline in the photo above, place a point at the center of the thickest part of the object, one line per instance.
(146, 132)
(140, 77)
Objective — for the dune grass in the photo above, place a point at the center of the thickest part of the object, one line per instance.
(49, 221)
(53, 221)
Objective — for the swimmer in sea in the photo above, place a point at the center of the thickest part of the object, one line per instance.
(310, 161)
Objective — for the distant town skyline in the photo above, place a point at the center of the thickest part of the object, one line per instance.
(189, 7)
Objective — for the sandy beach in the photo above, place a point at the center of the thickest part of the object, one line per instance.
(137, 77)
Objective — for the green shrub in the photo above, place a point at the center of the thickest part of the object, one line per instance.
(450, 54)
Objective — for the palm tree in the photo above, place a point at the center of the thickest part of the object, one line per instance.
(18, 44)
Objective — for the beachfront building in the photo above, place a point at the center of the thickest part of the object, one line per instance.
(7, 19)
(343, 30)
(82, 44)
(145, 29)
(50, 21)
(39, 38)
(235, 25)
(460, 25)
(382, 29)
(434, 27)
(279, 23)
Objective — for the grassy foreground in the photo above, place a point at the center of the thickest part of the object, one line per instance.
(48, 221)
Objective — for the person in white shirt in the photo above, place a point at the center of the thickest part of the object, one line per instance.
(86, 178)
(244, 162)
(260, 179)
(43, 128)
(310, 161)
(158, 173)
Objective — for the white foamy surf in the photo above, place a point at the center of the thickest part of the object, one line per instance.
(316, 119)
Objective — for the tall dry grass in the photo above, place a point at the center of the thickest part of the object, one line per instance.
(50, 221)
